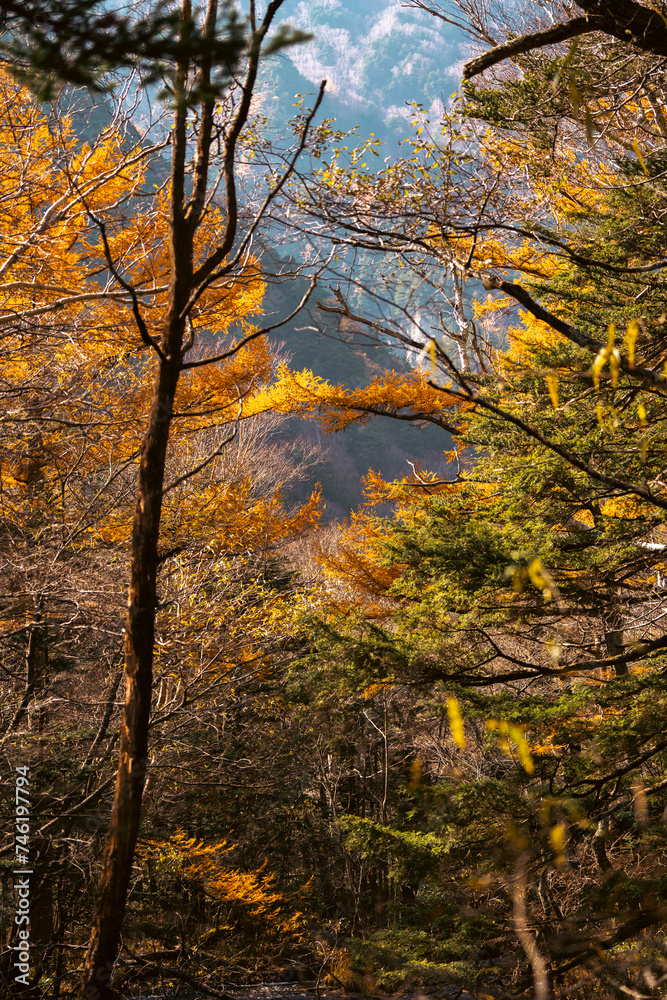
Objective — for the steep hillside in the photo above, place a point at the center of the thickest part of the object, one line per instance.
(376, 56)
(315, 341)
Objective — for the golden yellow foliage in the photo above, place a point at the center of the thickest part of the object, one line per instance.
(192, 862)
(82, 375)
(389, 394)
(456, 722)
(532, 335)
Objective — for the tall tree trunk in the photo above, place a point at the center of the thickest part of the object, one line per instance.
(613, 637)
(36, 663)
(139, 640)
(140, 622)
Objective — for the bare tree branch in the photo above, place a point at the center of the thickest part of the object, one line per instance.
(256, 333)
(526, 43)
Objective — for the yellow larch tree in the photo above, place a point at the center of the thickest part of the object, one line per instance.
(131, 347)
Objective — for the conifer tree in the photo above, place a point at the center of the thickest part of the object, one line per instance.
(526, 585)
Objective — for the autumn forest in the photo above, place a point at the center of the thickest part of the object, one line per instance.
(267, 719)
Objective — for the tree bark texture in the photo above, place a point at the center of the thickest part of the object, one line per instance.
(139, 640)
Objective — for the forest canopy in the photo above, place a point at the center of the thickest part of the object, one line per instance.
(423, 748)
